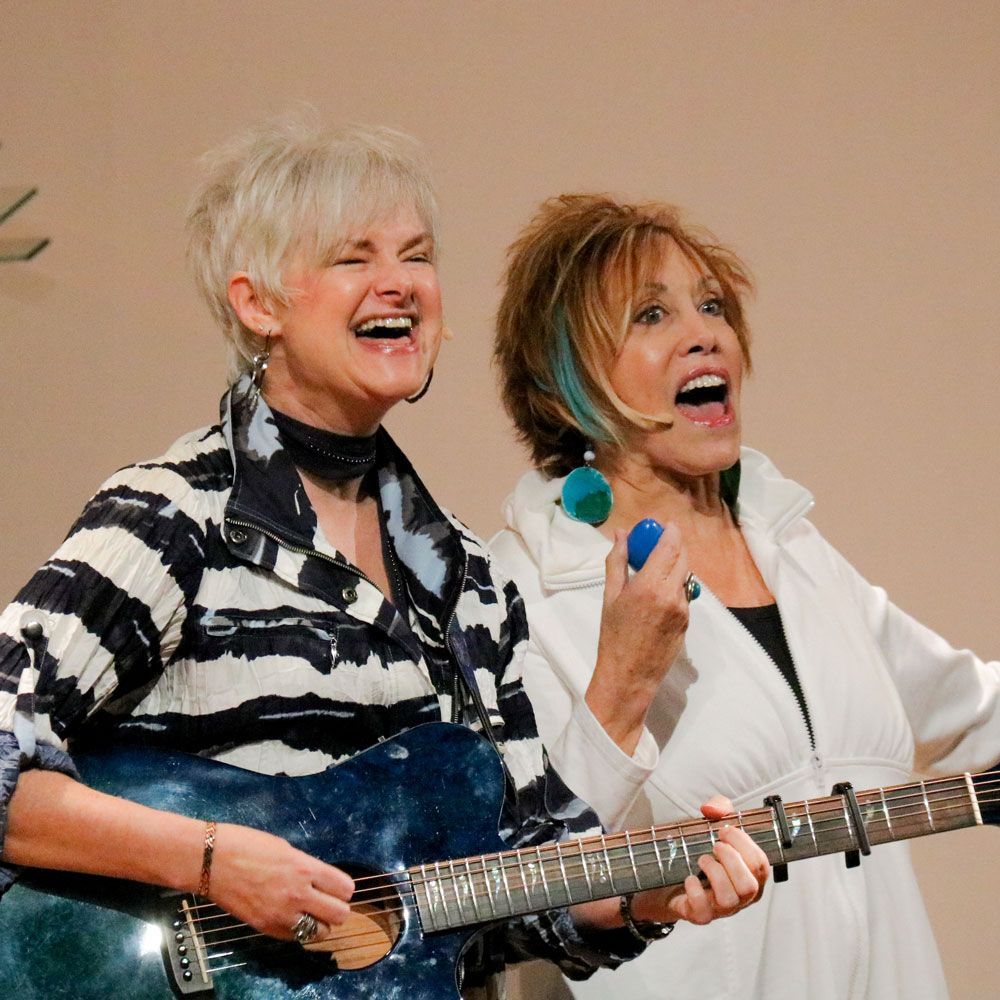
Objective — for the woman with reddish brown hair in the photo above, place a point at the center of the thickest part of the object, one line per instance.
(622, 345)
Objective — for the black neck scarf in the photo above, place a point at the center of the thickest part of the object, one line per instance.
(323, 453)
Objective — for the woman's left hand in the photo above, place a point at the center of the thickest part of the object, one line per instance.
(736, 872)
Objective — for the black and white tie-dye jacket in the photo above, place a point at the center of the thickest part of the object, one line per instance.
(196, 606)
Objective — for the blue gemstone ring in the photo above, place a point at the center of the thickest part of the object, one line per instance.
(692, 588)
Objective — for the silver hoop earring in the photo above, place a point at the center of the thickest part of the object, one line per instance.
(423, 392)
(260, 365)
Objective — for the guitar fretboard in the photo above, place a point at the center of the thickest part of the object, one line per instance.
(460, 892)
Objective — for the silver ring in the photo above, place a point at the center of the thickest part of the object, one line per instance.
(305, 928)
(692, 588)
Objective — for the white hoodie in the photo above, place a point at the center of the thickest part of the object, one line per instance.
(883, 694)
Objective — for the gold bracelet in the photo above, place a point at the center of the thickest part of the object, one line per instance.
(206, 859)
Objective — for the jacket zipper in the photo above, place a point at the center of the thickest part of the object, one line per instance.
(301, 549)
(473, 688)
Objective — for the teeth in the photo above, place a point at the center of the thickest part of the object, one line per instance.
(392, 322)
(702, 382)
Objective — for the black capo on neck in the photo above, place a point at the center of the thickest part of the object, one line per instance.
(853, 858)
(784, 834)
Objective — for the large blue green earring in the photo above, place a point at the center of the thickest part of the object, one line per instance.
(586, 494)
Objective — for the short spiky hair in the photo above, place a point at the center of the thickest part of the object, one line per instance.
(290, 189)
(571, 284)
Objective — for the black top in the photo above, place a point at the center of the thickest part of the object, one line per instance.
(764, 624)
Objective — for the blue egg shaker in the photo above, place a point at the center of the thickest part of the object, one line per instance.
(641, 540)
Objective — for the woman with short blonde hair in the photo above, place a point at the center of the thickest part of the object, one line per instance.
(286, 191)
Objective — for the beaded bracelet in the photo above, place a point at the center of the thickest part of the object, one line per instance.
(206, 859)
(643, 931)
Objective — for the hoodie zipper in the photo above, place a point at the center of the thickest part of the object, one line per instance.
(803, 708)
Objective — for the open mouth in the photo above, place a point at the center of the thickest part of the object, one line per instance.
(704, 399)
(386, 329)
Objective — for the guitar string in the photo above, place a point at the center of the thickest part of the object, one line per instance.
(926, 789)
(748, 820)
(643, 860)
(571, 853)
(514, 860)
(367, 938)
(373, 938)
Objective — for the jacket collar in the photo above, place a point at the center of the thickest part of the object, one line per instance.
(570, 554)
(268, 494)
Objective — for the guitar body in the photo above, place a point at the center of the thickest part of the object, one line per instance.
(432, 793)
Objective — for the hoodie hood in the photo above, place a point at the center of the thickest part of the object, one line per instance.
(570, 554)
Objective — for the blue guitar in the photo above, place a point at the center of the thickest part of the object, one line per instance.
(414, 820)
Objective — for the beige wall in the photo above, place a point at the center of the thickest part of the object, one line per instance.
(848, 150)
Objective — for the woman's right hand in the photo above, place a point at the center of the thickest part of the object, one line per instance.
(56, 822)
(643, 622)
(269, 884)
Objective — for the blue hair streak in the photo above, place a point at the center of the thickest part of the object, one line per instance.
(570, 386)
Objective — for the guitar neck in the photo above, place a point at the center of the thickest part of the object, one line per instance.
(474, 890)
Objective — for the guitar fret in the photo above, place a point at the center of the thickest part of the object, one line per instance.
(910, 819)
(472, 889)
(777, 837)
(684, 848)
(562, 871)
(812, 829)
(441, 891)
(506, 886)
(487, 887)
(631, 860)
(607, 861)
(462, 892)
(659, 857)
(927, 805)
(450, 879)
(885, 810)
(973, 798)
(524, 881)
(544, 877)
(586, 871)
(426, 882)
(851, 834)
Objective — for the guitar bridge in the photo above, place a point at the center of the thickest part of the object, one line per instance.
(184, 950)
